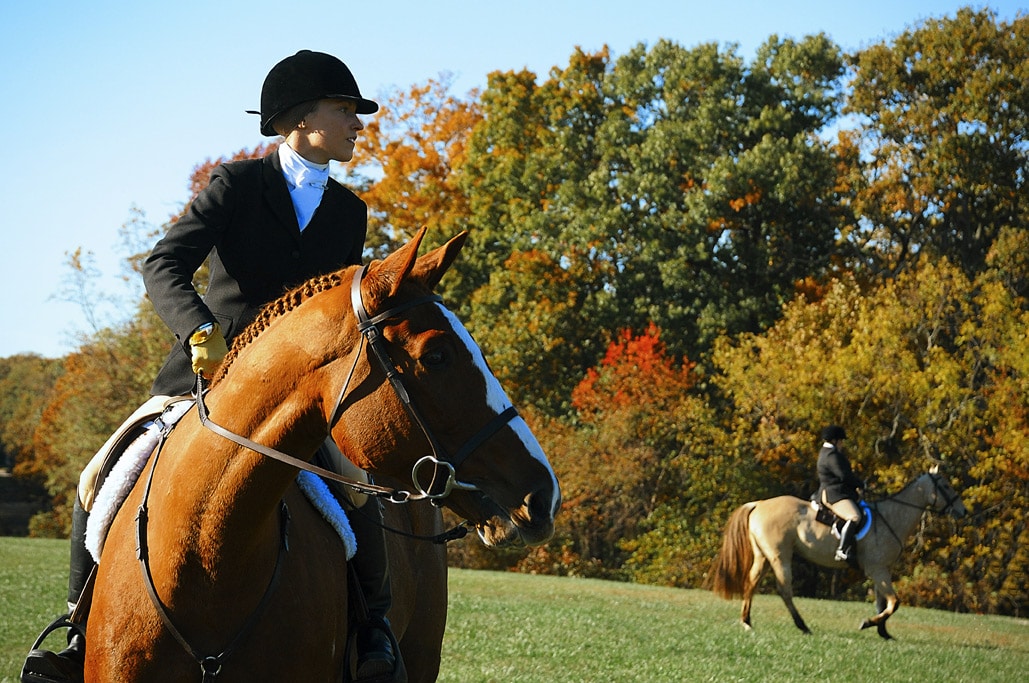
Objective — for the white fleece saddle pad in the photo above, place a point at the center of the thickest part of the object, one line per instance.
(130, 465)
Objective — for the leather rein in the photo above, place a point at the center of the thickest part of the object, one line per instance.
(931, 505)
(444, 466)
(443, 482)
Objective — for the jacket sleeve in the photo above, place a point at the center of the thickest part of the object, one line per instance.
(169, 269)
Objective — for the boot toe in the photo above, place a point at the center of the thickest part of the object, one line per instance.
(43, 666)
(376, 657)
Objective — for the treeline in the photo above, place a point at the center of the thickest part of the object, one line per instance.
(683, 264)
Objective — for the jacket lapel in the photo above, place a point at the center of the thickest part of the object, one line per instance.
(277, 196)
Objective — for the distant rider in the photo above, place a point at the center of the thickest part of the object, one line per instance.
(839, 487)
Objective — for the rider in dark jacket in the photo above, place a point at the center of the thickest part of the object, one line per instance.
(839, 487)
(264, 226)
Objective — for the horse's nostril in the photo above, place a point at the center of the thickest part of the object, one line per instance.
(541, 504)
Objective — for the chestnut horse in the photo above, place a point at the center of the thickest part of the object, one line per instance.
(773, 530)
(237, 577)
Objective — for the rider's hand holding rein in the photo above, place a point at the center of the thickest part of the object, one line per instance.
(208, 348)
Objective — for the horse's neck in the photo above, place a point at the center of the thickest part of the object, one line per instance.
(903, 511)
(224, 498)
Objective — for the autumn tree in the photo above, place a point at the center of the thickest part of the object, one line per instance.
(926, 368)
(26, 383)
(102, 383)
(406, 169)
(614, 461)
(942, 113)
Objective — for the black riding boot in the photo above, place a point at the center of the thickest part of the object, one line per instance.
(847, 535)
(376, 659)
(43, 666)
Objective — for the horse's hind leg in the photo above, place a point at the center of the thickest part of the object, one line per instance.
(756, 569)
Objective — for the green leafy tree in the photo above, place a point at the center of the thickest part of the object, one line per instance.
(686, 188)
(942, 136)
(530, 323)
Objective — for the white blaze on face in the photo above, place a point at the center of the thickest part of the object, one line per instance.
(496, 398)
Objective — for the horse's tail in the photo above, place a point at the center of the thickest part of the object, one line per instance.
(729, 571)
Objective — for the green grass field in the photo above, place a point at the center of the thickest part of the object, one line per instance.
(511, 628)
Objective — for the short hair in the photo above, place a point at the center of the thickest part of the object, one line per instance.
(288, 120)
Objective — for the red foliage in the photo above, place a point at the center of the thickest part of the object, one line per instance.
(635, 371)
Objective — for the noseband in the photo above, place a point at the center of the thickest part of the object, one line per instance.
(936, 478)
(443, 465)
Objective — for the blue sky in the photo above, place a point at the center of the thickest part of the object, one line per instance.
(109, 104)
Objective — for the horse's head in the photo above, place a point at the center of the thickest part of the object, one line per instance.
(941, 496)
(426, 409)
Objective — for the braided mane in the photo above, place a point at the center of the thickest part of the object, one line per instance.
(274, 310)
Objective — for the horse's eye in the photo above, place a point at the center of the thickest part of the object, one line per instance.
(433, 359)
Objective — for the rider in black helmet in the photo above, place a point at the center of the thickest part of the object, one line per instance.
(265, 226)
(839, 487)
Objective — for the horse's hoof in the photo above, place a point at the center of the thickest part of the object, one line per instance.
(866, 623)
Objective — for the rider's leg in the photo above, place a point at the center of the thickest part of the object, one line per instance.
(371, 564)
(375, 655)
(846, 540)
(847, 509)
(66, 665)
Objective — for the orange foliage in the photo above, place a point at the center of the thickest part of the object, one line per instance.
(635, 372)
(415, 144)
(749, 199)
(811, 289)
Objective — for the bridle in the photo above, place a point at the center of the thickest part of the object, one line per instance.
(938, 491)
(941, 491)
(443, 465)
(443, 481)
(441, 462)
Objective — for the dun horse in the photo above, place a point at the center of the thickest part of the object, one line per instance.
(238, 577)
(773, 530)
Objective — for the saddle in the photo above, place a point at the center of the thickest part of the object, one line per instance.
(826, 516)
(131, 454)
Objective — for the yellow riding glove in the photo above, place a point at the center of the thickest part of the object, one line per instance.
(208, 348)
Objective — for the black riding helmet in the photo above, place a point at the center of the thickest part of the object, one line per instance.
(833, 433)
(304, 77)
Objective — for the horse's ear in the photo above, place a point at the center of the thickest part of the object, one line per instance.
(431, 267)
(403, 260)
